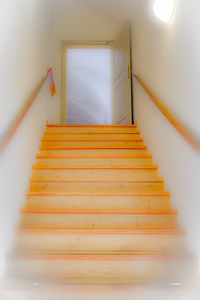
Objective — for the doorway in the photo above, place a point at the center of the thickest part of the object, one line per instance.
(97, 82)
(88, 80)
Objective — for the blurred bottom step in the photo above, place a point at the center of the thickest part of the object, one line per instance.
(98, 269)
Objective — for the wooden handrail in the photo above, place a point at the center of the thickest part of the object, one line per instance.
(177, 124)
(14, 126)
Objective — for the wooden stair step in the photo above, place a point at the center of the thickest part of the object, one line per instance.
(101, 181)
(97, 211)
(98, 241)
(107, 161)
(65, 167)
(96, 131)
(94, 187)
(95, 173)
(140, 193)
(113, 231)
(91, 155)
(54, 139)
(52, 200)
(91, 130)
(99, 269)
(93, 144)
(93, 125)
(83, 146)
(92, 136)
(91, 152)
(97, 219)
(136, 193)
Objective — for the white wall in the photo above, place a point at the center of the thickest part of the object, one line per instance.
(24, 58)
(167, 57)
(89, 86)
(78, 21)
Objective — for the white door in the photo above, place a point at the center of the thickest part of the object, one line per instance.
(122, 85)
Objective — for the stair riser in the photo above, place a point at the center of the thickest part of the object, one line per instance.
(70, 174)
(97, 244)
(96, 188)
(97, 271)
(95, 221)
(95, 136)
(102, 202)
(99, 145)
(110, 162)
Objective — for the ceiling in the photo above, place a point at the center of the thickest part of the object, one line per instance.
(119, 9)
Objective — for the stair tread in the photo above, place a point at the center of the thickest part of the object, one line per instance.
(92, 140)
(175, 231)
(99, 180)
(92, 125)
(89, 132)
(93, 148)
(94, 156)
(96, 256)
(56, 180)
(148, 193)
(94, 167)
(97, 211)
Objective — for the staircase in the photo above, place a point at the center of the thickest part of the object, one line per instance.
(96, 211)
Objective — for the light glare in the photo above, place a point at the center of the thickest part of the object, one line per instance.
(163, 9)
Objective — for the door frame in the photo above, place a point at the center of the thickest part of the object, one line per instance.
(75, 44)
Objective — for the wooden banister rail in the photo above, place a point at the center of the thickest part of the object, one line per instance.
(15, 125)
(177, 124)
